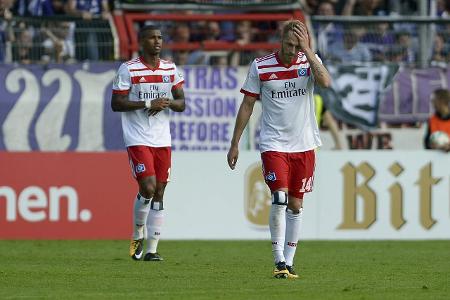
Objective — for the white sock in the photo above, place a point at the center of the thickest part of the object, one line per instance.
(293, 224)
(277, 224)
(140, 212)
(155, 221)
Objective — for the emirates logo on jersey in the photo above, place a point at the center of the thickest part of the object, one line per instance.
(286, 94)
(290, 91)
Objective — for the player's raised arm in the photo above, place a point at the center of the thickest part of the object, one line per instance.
(321, 75)
(245, 111)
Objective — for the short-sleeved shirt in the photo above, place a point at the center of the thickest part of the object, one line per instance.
(140, 82)
(358, 53)
(288, 122)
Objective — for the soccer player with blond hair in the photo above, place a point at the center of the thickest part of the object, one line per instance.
(284, 82)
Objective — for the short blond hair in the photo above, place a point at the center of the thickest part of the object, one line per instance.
(289, 26)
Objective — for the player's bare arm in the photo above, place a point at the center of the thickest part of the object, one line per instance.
(156, 105)
(121, 103)
(321, 75)
(178, 104)
(245, 111)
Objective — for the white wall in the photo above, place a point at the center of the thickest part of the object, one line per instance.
(206, 200)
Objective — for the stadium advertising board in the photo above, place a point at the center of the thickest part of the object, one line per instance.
(67, 108)
(357, 195)
(212, 103)
(65, 195)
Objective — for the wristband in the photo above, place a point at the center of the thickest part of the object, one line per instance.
(148, 103)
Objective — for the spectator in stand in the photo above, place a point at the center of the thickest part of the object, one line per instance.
(20, 8)
(197, 31)
(27, 8)
(6, 31)
(379, 39)
(350, 50)
(3, 7)
(89, 35)
(59, 44)
(440, 54)
(227, 29)
(3, 40)
(327, 33)
(440, 120)
(403, 7)
(180, 34)
(244, 32)
(309, 6)
(244, 36)
(41, 7)
(365, 8)
(180, 57)
(28, 32)
(212, 31)
(395, 54)
(443, 30)
(59, 7)
(443, 8)
(404, 40)
(274, 38)
(22, 50)
(88, 9)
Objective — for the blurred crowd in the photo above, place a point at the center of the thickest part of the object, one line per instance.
(38, 31)
(335, 42)
(381, 42)
(32, 40)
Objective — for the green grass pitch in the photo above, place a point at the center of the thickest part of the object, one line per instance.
(224, 270)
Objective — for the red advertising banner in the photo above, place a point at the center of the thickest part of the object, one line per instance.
(65, 195)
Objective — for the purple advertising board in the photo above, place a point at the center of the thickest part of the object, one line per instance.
(67, 108)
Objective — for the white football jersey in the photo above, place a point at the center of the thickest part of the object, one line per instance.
(288, 122)
(140, 82)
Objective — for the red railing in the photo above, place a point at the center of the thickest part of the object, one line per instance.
(125, 23)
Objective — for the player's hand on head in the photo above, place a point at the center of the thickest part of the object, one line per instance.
(301, 32)
(232, 157)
